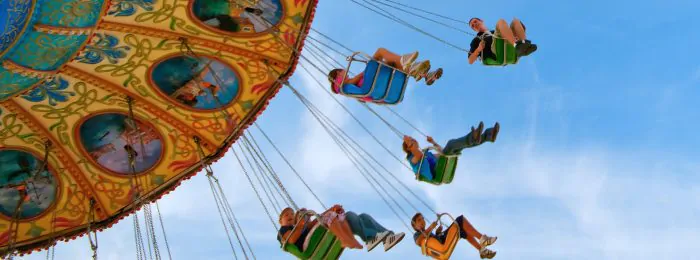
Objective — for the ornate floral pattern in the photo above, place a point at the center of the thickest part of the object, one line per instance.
(13, 21)
(103, 46)
(53, 89)
(129, 7)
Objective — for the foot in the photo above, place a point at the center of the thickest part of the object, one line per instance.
(487, 240)
(433, 76)
(392, 240)
(419, 70)
(476, 133)
(407, 60)
(492, 133)
(530, 50)
(521, 47)
(486, 253)
(376, 240)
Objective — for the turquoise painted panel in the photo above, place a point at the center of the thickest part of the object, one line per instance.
(70, 13)
(14, 14)
(41, 51)
(11, 83)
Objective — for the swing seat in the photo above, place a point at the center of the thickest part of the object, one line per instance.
(444, 170)
(383, 84)
(320, 244)
(448, 247)
(505, 54)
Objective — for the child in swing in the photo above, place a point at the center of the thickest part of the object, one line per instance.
(424, 163)
(344, 224)
(406, 63)
(460, 228)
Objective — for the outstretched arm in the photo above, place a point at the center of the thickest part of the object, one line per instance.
(438, 148)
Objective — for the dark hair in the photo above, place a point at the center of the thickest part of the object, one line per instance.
(473, 18)
(333, 74)
(413, 220)
(404, 145)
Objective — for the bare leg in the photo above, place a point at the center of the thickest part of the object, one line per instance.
(518, 29)
(347, 240)
(505, 31)
(474, 243)
(388, 57)
(469, 229)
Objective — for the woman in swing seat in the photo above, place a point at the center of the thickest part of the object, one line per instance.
(406, 63)
(483, 43)
(461, 227)
(345, 225)
(415, 155)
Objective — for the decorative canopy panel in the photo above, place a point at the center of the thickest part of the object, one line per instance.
(84, 84)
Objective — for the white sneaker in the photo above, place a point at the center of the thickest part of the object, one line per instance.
(407, 60)
(376, 240)
(485, 253)
(392, 240)
(487, 240)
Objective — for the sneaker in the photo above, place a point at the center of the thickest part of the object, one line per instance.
(392, 240)
(487, 240)
(530, 50)
(376, 240)
(476, 133)
(419, 70)
(486, 253)
(493, 133)
(522, 47)
(407, 60)
(433, 76)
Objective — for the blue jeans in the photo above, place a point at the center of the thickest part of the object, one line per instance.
(455, 146)
(363, 225)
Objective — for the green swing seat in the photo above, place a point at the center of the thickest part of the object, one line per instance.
(444, 170)
(505, 54)
(320, 244)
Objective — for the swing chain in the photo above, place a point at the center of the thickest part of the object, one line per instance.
(91, 219)
(202, 157)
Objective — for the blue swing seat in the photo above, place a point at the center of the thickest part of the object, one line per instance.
(382, 83)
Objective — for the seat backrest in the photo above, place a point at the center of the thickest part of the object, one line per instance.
(449, 246)
(320, 244)
(505, 54)
(397, 87)
(445, 168)
(381, 79)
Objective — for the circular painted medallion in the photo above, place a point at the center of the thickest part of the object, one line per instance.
(110, 138)
(27, 187)
(199, 83)
(14, 16)
(240, 17)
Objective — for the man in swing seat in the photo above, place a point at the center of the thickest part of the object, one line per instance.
(345, 225)
(406, 63)
(483, 44)
(441, 238)
(426, 168)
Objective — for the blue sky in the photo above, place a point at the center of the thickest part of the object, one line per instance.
(597, 156)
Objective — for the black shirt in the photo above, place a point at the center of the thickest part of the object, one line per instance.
(488, 40)
(300, 242)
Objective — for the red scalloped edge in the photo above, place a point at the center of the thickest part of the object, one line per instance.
(221, 152)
